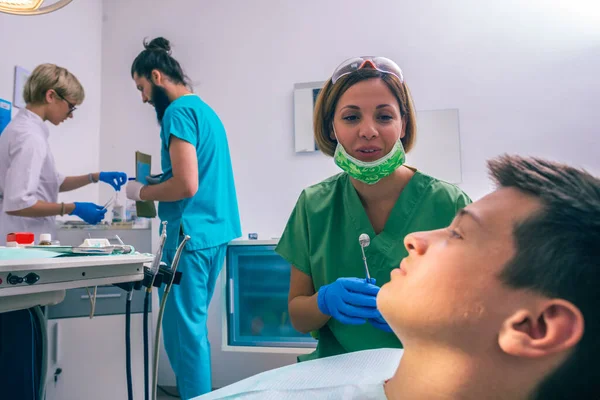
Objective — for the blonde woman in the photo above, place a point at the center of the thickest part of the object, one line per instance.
(29, 181)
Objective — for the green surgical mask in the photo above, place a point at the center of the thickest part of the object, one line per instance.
(370, 172)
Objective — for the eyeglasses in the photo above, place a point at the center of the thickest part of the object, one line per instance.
(381, 64)
(71, 106)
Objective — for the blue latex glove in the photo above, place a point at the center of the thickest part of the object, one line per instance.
(89, 212)
(351, 301)
(380, 323)
(114, 179)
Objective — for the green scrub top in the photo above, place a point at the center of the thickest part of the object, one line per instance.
(321, 240)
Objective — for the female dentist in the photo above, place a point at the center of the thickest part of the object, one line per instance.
(365, 119)
(29, 181)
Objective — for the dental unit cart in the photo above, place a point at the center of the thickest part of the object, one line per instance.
(69, 321)
(26, 283)
(29, 282)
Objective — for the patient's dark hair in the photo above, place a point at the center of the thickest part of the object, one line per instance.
(157, 55)
(558, 255)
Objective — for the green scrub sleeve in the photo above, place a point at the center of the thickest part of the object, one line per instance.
(462, 201)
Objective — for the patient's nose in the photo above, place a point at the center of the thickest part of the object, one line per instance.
(416, 243)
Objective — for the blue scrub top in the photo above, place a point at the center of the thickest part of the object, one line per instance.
(211, 216)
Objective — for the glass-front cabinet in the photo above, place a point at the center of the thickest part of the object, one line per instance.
(257, 285)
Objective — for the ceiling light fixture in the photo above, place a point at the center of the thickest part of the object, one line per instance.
(31, 7)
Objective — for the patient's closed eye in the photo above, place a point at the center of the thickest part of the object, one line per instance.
(454, 234)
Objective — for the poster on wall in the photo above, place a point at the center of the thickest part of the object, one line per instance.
(21, 75)
(5, 114)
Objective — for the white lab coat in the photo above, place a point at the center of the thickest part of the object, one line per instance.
(27, 174)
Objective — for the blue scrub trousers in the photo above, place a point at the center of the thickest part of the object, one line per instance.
(184, 323)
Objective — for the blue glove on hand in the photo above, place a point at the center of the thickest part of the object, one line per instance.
(351, 301)
(114, 179)
(380, 323)
(89, 212)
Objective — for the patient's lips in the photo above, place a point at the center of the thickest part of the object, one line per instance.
(400, 271)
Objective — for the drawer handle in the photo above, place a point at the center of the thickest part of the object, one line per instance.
(231, 296)
(102, 296)
(56, 344)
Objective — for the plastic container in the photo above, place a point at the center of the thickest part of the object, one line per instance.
(16, 239)
(118, 210)
(45, 239)
(130, 211)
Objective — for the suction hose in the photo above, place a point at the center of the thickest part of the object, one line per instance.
(161, 312)
(146, 366)
(128, 344)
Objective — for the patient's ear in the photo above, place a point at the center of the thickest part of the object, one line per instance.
(554, 326)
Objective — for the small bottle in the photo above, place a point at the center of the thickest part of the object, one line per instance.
(118, 210)
(45, 239)
(130, 211)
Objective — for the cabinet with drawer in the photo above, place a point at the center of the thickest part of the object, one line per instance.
(87, 356)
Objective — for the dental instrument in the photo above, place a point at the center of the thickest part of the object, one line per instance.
(364, 240)
(109, 202)
(156, 262)
(153, 271)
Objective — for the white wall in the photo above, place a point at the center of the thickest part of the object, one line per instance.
(522, 74)
(72, 39)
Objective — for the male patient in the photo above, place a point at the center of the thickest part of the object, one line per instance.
(503, 304)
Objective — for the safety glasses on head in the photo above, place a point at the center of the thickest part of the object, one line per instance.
(381, 64)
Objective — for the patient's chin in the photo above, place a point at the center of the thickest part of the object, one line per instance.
(385, 302)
